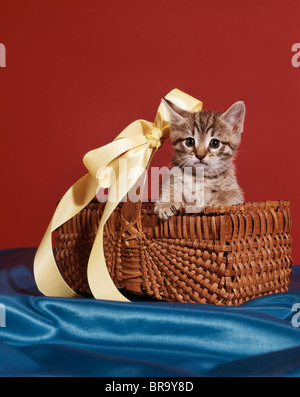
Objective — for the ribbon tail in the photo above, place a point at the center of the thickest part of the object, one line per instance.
(47, 275)
(99, 279)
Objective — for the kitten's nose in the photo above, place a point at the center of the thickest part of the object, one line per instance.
(200, 154)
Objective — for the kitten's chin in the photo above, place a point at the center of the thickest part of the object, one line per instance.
(200, 164)
(209, 167)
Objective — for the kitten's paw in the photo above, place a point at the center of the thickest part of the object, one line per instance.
(166, 210)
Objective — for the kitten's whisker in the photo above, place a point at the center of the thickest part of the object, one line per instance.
(182, 163)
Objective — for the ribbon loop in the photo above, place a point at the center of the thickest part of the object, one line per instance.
(135, 145)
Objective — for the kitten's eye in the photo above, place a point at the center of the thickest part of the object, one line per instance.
(190, 142)
(214, 143)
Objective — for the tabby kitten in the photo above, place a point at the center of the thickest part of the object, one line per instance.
(205, 142)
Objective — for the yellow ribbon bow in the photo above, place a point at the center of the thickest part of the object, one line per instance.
(135, 144)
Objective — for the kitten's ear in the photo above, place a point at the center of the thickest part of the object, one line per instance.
(177, 115)
(234, 117)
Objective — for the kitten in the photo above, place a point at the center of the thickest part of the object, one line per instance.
(206, 143)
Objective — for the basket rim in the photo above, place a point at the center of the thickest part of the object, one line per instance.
(246, 207)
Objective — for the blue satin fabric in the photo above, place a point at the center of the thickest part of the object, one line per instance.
(85, 337)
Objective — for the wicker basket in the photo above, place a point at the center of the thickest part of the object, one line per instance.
(224, 255)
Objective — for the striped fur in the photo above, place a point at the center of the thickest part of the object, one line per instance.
(219, 185)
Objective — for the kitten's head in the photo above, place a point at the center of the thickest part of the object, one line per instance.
(205, 139)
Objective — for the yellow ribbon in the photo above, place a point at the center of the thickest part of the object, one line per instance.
(135, 144)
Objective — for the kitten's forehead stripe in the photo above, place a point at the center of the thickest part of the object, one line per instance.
(196, 128)
(205, 122)
(211, 130)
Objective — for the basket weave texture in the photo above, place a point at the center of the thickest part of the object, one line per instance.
(224, 255)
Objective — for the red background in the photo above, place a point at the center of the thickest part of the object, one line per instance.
(79, 71)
